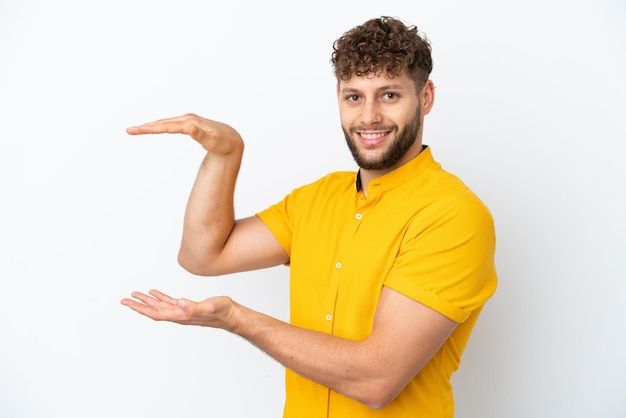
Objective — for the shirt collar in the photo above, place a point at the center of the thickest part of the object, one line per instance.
(400, 174)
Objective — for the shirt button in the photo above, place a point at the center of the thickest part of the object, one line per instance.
(329, 317)
(358, 216)
(338, 265)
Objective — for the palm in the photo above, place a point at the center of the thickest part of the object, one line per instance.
(161, 307)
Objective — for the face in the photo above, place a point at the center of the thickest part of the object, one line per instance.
(381, 119)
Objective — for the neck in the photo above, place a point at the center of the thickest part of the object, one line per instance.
(368, 175)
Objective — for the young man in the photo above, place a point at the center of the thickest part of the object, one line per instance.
(390, 266)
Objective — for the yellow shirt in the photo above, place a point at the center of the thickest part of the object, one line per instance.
(421, 232)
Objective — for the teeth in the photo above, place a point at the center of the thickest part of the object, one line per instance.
(372, 136)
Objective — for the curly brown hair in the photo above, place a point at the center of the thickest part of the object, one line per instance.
(382, 45)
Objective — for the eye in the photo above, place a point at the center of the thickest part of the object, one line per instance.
(390, 95)
(352, 98)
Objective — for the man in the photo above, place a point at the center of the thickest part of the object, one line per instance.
(390, 266)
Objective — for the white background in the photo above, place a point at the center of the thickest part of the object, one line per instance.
(529, 112)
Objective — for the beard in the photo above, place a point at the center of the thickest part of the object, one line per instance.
(403, 141)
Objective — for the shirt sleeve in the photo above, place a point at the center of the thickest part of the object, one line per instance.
(446, 260)
(278, 218)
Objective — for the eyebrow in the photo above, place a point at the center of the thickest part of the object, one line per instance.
(351, 90)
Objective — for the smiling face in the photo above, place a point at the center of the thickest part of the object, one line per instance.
(382, 118)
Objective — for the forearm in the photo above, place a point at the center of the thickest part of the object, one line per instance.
(352, 368)
(209, 217)
(373, 371)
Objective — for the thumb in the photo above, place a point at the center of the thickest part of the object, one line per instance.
(196, 133)
(182, 303)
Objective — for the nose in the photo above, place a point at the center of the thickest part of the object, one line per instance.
(370, 114)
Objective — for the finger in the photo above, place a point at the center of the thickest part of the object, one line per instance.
(181, 127)
(173, 125)
(199, 135)
(162, 296)
(181, 303)
(149, 300)
(156, 310)
(180, 118)
(140, 308)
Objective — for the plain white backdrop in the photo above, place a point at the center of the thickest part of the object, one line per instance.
(529, 112)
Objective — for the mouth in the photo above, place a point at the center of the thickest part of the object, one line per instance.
(372, 139)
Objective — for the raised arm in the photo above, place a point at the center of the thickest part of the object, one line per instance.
(213, 242)
(406, 334)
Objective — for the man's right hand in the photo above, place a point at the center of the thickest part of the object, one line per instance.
(215, 137)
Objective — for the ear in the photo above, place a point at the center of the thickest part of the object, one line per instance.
(427, 97)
